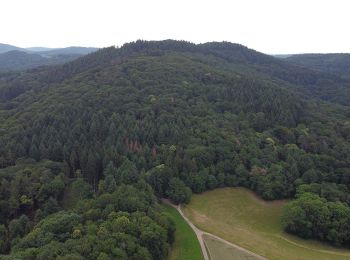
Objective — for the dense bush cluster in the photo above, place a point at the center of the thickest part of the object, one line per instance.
(311, 216)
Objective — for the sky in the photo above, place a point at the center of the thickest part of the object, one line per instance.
(269, 26)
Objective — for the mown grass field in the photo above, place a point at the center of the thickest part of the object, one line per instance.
(186, 245)
(238, 216)
(220, 251)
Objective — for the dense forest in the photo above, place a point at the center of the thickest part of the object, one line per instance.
(87, 147)
(332, 63)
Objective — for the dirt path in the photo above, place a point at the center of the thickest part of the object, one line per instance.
(199, 233)
(313, 249)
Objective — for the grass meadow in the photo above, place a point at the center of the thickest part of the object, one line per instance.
(240, 217)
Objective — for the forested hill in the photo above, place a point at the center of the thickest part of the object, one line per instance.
(13, 58)
(167, 119)
(19, 60)
(7, 47)
(333, 63)
(223, 56)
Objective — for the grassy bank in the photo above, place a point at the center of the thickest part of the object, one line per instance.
(186, 245)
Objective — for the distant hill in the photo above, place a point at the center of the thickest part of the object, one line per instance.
(15, 58)
(19, 60)
(228, 57)
(307, 80)
(336, 64)
(7, 47)
(69, 50)
(39, 49)
(282, 55)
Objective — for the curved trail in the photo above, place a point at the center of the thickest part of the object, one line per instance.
(313, 249)
(199, 233)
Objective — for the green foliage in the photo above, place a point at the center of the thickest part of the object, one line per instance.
(3, 239)
(330, 191)
(332, 63)
(18, 227)
(175, 115)
(29, 186)
(178, 192)
(123, 225)
(81, 189)
(310, 216)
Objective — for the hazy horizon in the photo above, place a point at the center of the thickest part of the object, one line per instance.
(272, 27)
(69, 46)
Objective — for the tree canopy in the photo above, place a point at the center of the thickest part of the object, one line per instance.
(95, 140)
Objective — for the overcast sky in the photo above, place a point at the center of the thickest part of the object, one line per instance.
(270, 26)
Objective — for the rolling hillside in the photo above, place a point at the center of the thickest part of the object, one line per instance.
(13, 58)
(7, 47)
(335, 64)
(166, 119)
